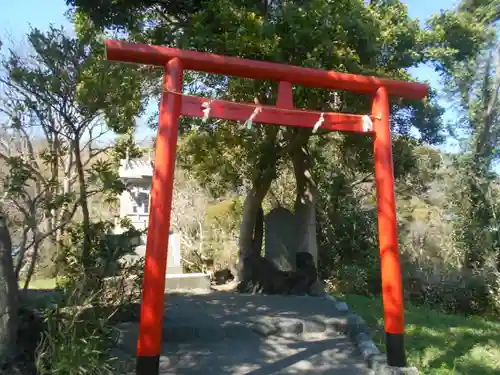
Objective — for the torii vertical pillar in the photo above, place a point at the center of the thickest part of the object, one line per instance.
(150, 330)
(392, 287)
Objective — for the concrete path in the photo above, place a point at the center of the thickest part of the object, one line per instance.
(225, 333)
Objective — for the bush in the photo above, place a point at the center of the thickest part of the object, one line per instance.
(463, 292)
(102, 261)
(74, 346)
(78, 332)
(357, 279)
(458, 292)
(346, 237)
(468, 297)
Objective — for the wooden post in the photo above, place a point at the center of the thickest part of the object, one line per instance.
(392, 286)
(153, 289)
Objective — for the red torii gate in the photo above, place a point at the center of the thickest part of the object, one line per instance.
(174, 104)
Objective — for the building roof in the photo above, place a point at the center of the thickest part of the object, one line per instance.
(135, 168)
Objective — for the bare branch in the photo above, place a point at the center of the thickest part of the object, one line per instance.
(365, 178)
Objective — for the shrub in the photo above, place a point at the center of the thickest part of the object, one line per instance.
(102, 261)
(458, 291)
(363, 279)
(73, 346)
(78, 332)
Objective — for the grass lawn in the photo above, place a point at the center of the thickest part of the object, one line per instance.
(436, 343)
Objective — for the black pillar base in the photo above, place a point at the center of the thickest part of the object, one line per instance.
(396, 356)
(147, 365)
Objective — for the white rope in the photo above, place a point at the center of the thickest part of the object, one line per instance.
(367, 124)
(318, 123)
(206, 111)
(249, 122)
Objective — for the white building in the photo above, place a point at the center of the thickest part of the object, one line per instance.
(135, 200)
(135, 204)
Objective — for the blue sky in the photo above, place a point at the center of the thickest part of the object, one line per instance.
(17, 16)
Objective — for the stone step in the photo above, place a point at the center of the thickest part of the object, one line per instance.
(175, 330)
(187, 281)
(313, 353)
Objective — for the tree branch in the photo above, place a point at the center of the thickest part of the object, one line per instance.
(366, 178)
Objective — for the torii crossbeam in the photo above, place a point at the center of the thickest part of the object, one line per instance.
(174, 104)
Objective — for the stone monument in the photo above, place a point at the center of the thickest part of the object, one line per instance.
(174, 260)
(137, 175)
(280, 238)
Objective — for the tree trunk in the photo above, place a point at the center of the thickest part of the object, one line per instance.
(8, 296)
(305, 210)
(63, 213)
(250, 241)
(83, 200)
(34, 258)
(22, 251)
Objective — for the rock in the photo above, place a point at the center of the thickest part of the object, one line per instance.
(222, 276)
(125, 336)
(261, 276)
(280, 239)
(264, 277)
(302, 280)
(342, 306)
